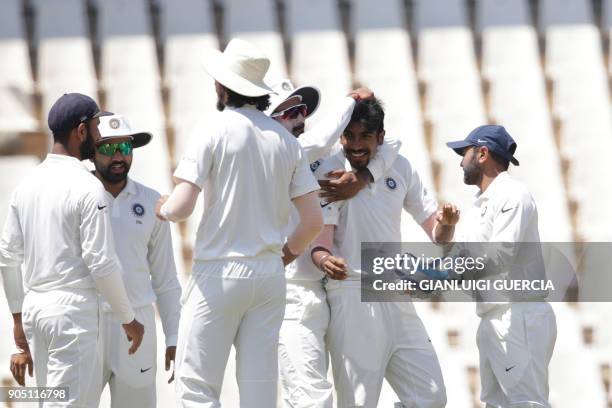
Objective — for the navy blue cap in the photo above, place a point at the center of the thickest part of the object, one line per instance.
(494, 137)
(70, 110)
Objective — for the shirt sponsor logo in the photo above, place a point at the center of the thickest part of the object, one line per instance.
(391, 183)
(315, 165)
(484, 211)
(505, 210)
(138, 210)
(101, 207)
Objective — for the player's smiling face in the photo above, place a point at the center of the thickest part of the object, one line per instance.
(113, 169)
(360, 144)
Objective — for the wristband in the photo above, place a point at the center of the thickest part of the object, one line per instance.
(323, 258)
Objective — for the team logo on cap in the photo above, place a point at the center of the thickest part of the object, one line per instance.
(114, 123)
(314, 165)
(391, 183)
(138, 210)
(286, 86)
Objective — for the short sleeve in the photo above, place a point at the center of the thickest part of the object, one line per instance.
(418, 201)
(302, 180)
(196, 162)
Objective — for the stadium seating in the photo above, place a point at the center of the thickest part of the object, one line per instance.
(16, 84)
(442, 67)
(256, 21)
(65, 58)
(315, 25)
(518, 101)
(581, 102)
(453, 98)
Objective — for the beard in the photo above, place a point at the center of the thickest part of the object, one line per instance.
(472, 173)
(298, 130)
(110, 176)
(220, 104)
(87, 148)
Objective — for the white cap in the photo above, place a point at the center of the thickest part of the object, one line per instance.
(286, 96)
(117, 126)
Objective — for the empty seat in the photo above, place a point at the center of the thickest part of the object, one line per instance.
(187, 29)
(127, 45)
(63, 38)
(16, 85)
(518, 101)
(255, 21)
(319, 51)
(453, 98)
(581, 102)
(565, 367)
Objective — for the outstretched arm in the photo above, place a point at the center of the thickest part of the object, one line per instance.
(180, 204)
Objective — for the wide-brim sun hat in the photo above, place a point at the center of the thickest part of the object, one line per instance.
(117, 127)
(241, 67)
(285, 97)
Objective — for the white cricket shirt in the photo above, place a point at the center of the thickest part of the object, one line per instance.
(505, 212)
(315, 145)
(374, 214)
(144, 247)
(249, 168)
(58, 226)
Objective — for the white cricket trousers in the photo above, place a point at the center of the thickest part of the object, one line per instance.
(302, 352)
(62, 329)
(515, 343)
(131, 378)
(239, 301)
(371, 341)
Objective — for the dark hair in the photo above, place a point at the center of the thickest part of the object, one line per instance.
(499, 160)
(62, 137)
(237, 101)
(370, 114)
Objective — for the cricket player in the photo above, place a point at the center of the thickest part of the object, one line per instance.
(144, 247)
(58, 226)
(251, 170)
(370, 341)
(302, 351)
(515, 339)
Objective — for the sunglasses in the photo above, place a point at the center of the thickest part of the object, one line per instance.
(292, 112)
(109, 149)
